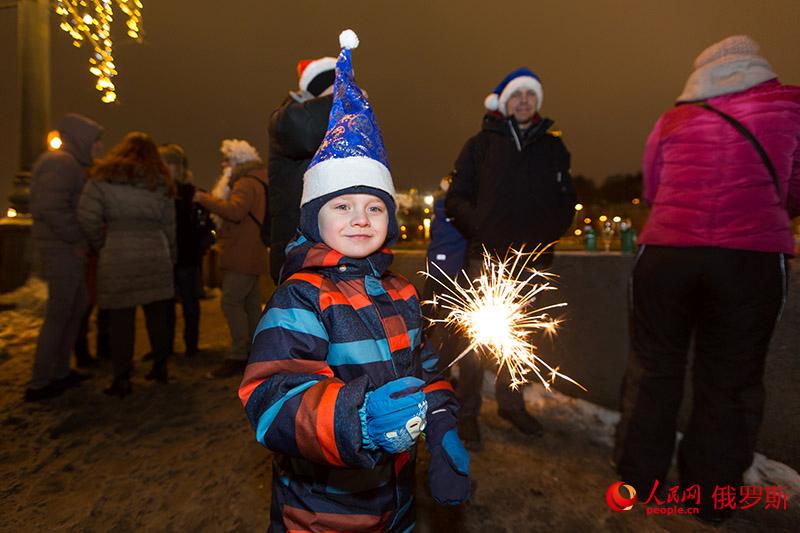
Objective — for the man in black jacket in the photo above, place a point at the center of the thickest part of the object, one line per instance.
(512, 187)
(193, 231)
(296, 130)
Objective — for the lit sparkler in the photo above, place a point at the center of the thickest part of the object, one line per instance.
(494, 311)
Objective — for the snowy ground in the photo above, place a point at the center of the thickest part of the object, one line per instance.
(182, 457)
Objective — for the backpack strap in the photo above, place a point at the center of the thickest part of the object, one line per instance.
(266, 199)
(747, 134)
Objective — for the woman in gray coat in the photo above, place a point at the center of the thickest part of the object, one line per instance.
(127, 212)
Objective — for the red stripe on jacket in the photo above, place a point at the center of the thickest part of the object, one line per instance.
(256, 373)
(325, 424)
(300, 520)
(314, 279)
(438, 385)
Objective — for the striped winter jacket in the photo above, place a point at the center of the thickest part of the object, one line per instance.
(335, 329)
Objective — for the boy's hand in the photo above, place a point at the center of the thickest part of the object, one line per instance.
(393, 415)
(448, 474)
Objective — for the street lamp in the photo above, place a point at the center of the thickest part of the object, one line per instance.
(54, 140)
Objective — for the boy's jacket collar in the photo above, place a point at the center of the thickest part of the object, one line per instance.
(305, 254)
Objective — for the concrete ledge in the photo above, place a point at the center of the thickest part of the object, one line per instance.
(16, 252)
(592, 345)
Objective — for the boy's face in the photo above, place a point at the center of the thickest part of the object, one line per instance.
(354, 225)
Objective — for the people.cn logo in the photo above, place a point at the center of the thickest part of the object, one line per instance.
(620, 497)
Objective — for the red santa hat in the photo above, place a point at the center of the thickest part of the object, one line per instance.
(316, 75)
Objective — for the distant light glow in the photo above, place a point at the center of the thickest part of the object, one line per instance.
(11, 213)
(428, 199)
(578, 207)
(617, 219)
(54, 140)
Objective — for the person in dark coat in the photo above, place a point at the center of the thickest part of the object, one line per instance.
(56, 183)
(193, 229)
(127, 211)
(512, 188)
(446, 254)
(295, 130)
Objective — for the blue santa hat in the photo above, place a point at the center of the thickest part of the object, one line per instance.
(522, 78)
(352, 157)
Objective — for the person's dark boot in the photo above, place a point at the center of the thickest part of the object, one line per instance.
(228, 368)
(470, 432)
(120, 387)
(51, 390)
(523, 421)
(158, 372)
(73, 379)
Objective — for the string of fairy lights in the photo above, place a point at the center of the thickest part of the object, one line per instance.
(89, 21)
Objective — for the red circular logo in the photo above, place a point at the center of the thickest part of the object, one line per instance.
(620, 497)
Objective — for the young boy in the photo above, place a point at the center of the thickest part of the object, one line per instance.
(340, 382)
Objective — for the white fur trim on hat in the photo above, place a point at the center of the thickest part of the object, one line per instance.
(238, 151)
(334, 175)
(315, 68)
(522, 82)
(491, 102)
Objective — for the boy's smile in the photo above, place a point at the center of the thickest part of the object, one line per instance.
(354, 225)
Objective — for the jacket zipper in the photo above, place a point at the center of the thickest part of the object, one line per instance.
(514, 134)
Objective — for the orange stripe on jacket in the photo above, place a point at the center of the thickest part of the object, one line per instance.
(305, 423)
(399, 342)
(329, 298)
(325, 423)
(405, 293)
(297, 520)
(355, 293)
(256, 373)
(246, 390)
(438, 385)
(314, 279)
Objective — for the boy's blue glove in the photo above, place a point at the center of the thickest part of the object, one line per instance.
(448, 474)
(393, 415)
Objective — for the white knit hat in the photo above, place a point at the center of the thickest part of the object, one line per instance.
(729, 66)
(238, 151)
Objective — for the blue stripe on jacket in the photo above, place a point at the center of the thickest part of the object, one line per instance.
(300, 320)
(358, 352)
(266, 418)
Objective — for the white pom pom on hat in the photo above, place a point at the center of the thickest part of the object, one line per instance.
(491, 102)
(348, 39)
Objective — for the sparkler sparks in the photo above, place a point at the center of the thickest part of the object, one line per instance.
(494, 313)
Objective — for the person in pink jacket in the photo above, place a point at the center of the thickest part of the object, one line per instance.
(722, 174)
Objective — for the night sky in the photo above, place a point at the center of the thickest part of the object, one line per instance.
(210, 70)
